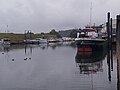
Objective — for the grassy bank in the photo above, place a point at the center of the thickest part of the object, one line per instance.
(20, 37)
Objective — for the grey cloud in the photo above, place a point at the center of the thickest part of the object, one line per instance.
(44, 15)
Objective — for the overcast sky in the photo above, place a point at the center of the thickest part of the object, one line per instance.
(44, 15)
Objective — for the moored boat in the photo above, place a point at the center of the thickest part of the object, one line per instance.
(88, 40)
(54, 40)
(41, 40)
(5, 41)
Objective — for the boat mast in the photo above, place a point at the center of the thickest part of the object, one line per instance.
(6, 32)
(90, 14)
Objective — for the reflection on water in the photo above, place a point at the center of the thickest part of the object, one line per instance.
(93, 63)
(53, 67)
(4, 48)
(90, 62)
(7, 48)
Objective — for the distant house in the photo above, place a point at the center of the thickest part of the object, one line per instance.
(114, 22)
(104, 27)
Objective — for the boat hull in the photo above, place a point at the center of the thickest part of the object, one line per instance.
(91, 44)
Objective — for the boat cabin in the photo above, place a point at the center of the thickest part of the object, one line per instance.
(87, 32)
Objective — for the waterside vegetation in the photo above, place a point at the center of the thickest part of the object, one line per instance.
(20, 37)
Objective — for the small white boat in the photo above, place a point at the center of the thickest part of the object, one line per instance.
(55, 40)
(52, 40)
(41, 40)
(5, 41)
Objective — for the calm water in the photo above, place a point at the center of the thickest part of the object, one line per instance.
(55, 67)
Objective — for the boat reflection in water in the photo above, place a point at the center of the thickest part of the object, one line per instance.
(89, 61)
(4, 48)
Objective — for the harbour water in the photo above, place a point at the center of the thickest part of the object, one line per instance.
(55, 67)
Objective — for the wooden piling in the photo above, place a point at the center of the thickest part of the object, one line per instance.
(118, 50)
(108, 45)
(111, 40)
(108, 26)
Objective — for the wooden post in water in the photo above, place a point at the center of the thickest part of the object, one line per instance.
(108, 49)
(111, 38)
(118, 50)
(108, 27)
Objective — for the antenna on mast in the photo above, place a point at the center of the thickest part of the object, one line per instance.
(91, 14)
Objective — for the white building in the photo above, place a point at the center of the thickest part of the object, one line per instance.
(104, 29)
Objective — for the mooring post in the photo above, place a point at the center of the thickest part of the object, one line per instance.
(118, 49)
(108, 45)
(108, 27)
(111, 39)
